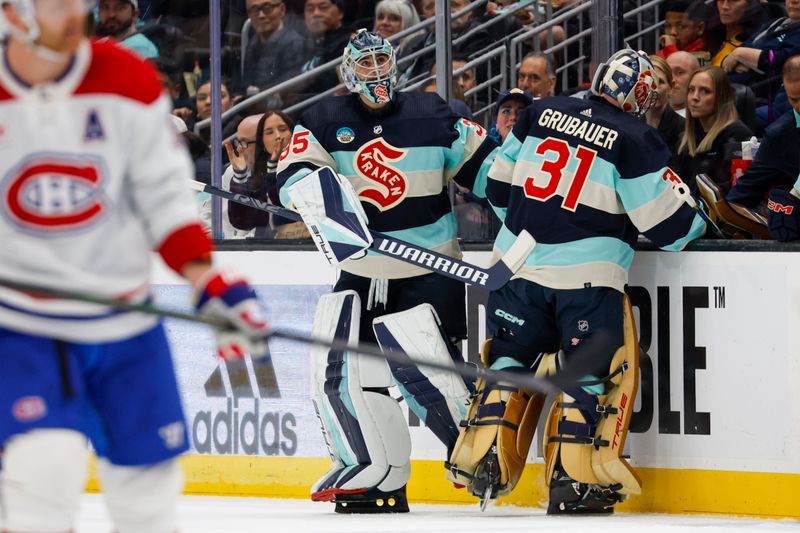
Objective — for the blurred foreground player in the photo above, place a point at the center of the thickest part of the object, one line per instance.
(584, 177)
(395, 153)
(92, 178)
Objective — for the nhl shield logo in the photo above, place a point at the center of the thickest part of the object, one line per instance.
(583, 326)
(387, 185)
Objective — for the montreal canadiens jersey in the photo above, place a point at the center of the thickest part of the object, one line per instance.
(399, 164)
(585, 178)
(93, 176)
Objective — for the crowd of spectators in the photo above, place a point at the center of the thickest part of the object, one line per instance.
(720, 63)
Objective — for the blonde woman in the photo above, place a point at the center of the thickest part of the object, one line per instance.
(712, 131)
(394, 16)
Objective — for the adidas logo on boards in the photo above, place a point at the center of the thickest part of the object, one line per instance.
(241, 428)
(587, 113)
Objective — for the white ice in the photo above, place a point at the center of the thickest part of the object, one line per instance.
(211, 514)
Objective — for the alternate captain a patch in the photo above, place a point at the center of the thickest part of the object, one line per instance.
(94, 129)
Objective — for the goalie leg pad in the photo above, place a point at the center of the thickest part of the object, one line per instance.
(617, 408)
(366, 432)
(43, 477)
(585, 436)
(437, 397)
(501, 421)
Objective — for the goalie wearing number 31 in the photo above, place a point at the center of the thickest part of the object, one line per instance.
(584, 177)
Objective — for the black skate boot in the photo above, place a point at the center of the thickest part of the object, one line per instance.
(486, 480)
(568, 496)
(373, 501)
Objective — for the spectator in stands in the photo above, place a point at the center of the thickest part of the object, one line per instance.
(457, 103)
(776, 163)
(537, 75)
(327, 39)
(273, 51)
(688, 34)
(394, 16)
(460, 26)
(673, 14)
(732, 22)
(117, 19)
(509, 106)
(683, 65)
(713, 130)
(474, 215)
(253, 164)
(203, 107)
(765, 51)
(425, 8)
(661, 116)
(465, 79)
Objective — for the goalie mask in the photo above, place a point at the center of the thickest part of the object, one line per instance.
(369, 67)
(629, 78)
(31, 12)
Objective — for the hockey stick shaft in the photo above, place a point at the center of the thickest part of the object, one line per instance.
(472, 372)
(491, 278)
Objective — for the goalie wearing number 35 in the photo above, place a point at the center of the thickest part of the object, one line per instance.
(584, 177)
(381, 160)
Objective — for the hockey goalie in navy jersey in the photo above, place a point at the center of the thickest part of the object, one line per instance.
(585, 178)
(395, 153)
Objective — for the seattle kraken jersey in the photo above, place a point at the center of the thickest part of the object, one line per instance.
(399, 165)
(585, 178)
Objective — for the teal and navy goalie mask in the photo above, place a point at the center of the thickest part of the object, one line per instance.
(629, 78)
(369, 67)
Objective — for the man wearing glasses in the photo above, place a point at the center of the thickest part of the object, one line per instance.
(272, 51)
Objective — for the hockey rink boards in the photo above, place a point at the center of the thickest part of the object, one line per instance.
(716, 426)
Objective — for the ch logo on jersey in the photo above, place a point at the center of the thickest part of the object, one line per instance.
(372, 164)
(51, 193)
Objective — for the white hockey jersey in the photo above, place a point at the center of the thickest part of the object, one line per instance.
(92, 178)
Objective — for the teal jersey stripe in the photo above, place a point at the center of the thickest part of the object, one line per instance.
(636, 192)
(580, 252)
(429, 236)
(418, 159)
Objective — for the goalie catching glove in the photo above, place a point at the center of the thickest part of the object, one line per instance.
(227, 295)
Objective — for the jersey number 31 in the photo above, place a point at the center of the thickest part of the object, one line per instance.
(555, 170)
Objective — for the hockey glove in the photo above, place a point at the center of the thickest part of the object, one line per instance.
(227, 295)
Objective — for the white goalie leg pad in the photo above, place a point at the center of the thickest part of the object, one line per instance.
(142, 499)
(366, 432)
(437, 397)
(42, 479)
(333, 213)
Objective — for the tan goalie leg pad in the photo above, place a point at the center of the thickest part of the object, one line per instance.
(735, 221)
(607, 463)
(576, 459)
(512, 433)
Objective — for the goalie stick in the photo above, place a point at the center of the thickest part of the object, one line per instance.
(567, 378)
(491, 278)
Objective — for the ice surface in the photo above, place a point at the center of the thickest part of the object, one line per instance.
(211, 514)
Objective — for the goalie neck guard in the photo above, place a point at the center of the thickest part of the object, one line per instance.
(629, 78)
(369, 67)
